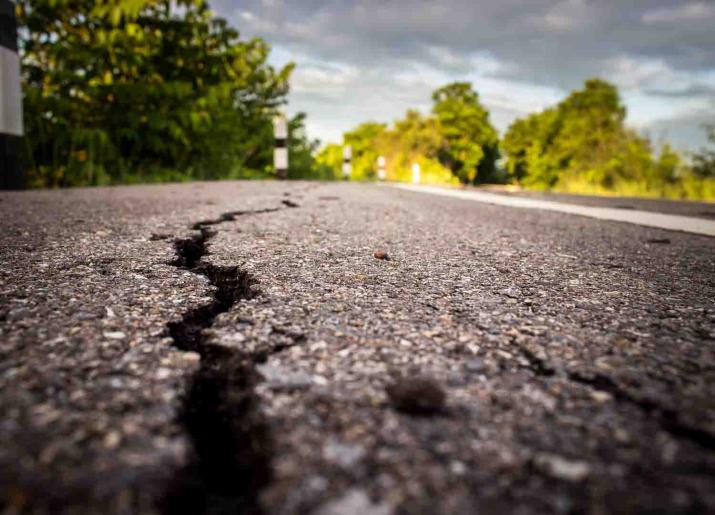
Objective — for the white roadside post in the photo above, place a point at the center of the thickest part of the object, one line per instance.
(347, 161)
(415, 173)
(280, 152)
(11, 129)
(381, 168)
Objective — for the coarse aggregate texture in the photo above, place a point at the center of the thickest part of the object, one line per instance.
(157, 354)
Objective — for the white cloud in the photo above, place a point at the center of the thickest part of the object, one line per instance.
(630, 72)
(681, 13)
(566, 16)
(644, 109)
(255, 22)
(323, 79)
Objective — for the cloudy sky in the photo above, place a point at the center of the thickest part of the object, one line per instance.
(372, 59)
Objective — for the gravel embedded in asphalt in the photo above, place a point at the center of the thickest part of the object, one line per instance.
(576, 356)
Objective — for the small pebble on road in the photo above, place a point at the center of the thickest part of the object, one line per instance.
(417, 396)
(558, 467)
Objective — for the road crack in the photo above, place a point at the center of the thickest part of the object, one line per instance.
(231, 216)
(232, 445)
(668, 419)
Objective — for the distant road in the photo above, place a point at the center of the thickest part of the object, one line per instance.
(697, 209)
(605, 208)
(327, 348)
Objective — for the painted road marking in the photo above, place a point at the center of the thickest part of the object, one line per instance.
(631, 216)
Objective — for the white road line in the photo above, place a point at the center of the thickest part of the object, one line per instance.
(646, 218)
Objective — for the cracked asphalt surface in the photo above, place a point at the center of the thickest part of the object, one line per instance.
(156, 356)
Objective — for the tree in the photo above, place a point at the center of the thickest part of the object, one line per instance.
(590, 129)
(415, 139)
(329, 161)
(470, 143)
(704, 160)
(516, 144)
(128, 90)
(582, 139)
(364, 140)
(301, 150)
(455, 143)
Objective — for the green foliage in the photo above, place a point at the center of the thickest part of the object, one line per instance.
(143, 90)
(364, 142)
(456, 143)
(704, 161)
(470, 144)
(414, 139)
(301, 151)
(329, 161)
(583, 146)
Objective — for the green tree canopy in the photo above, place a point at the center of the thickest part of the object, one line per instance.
(455, 142)
(365, 142)
(301, 151)
(704, 160)
(127, 90)
(470, 143)
(583, 145)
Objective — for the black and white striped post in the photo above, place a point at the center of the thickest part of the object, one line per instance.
(381, 168)
(11, 176)
(280, 152)
(347, 161)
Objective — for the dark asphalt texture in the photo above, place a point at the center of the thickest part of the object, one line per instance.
(238, 347)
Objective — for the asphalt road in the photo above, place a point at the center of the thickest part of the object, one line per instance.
(344, 348)
(671, 207)
(672, 222)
